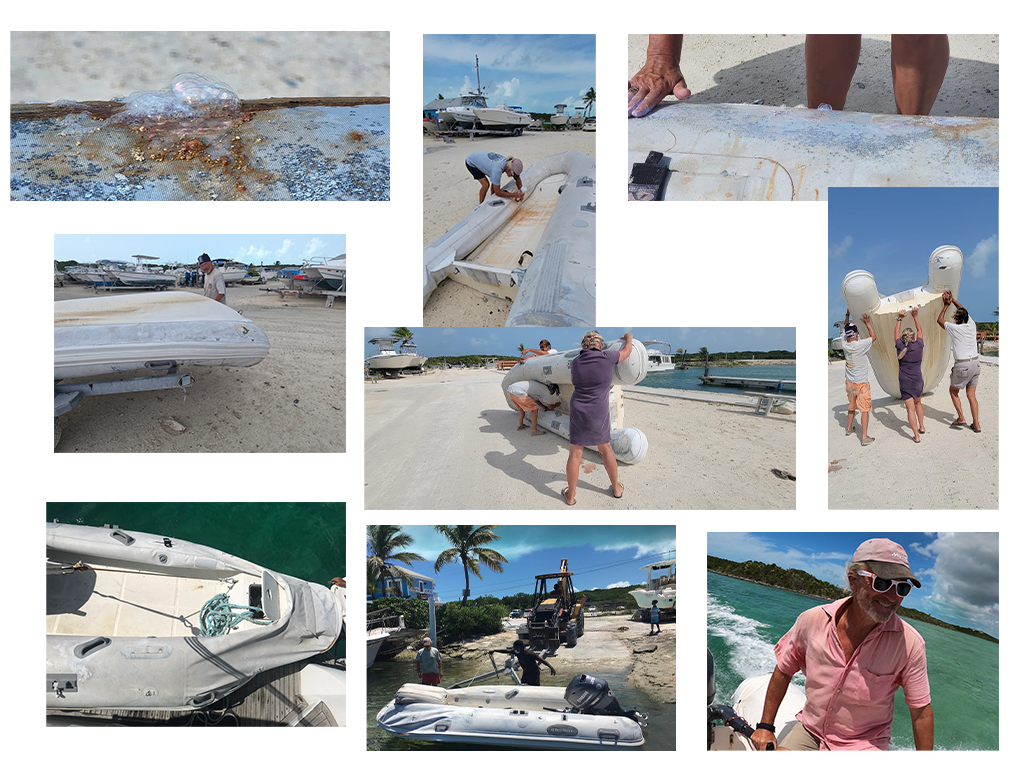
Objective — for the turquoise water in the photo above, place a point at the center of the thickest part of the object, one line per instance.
(690, 378)
(746, 620)
(302, 540)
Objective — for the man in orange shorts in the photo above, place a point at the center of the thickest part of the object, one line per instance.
(858, 390)
(531, 396)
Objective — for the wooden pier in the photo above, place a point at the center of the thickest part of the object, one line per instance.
(745, 382)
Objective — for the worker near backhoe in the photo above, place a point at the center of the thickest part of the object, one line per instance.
(528, 660)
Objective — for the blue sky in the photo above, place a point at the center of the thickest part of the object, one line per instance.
(534, 72)
(892, 232)
(436, 342)
(959, 572)
(600, 556)
(185, 249)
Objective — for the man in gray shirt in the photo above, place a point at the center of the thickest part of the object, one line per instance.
(487, 168)
(214, 286)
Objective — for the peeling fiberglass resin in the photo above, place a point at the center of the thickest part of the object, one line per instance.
(196, 140)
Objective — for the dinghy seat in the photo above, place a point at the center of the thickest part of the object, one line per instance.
(414, 693)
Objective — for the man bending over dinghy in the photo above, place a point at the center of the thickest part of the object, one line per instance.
(487, 167)
(855, 653)
(528, 660)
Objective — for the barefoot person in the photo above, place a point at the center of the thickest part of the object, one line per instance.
(909, 353)
(858, 389)
(589, 418)
(966, 368)
(855, 653)
(530, 397)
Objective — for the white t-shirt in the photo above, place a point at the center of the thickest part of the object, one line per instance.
(857, 360)
(964, 338)
(535, 391)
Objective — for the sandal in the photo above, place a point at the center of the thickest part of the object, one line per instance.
(565, 497)
(958, 424)
(975, 429)
(623, 486)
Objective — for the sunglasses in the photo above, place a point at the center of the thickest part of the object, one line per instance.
(884, 585)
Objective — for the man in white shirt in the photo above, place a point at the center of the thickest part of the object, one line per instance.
(214, 286)
(966, 369)
(858, 389)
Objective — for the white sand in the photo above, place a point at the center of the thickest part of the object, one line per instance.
(949, 469)
(447, 440)
(291, 402)
(450, 193)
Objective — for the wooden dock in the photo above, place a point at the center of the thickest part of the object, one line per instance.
(744, 382)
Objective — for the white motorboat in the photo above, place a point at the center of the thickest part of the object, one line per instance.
(329, 272)
(629, 444)
(559, 119)
(232, 271)
(944, 268)
(576, 121)
(141, 276)
(583, 715)
(110, 334)
(658, 361)
(387, 359)
(503, 118)
(739, 719)
(139, 621)
(463, 115)
(379, 627)
(540, 253)
(661, 586)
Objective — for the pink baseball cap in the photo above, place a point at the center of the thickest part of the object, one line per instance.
(887, 559)
(517, 165)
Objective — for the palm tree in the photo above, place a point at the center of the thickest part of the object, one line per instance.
(588, 101)
(401, 334)
(384, 544)
(468, 546)
(522, 349)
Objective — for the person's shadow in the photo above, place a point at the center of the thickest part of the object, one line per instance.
(890, 413)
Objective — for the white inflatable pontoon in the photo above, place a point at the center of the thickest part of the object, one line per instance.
(540, 252)
(538, 717)
(112, 334)
(751, 152)
(126, 614)
(861, 295)
(628, 443)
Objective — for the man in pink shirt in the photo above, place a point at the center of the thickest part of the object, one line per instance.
(855, 653)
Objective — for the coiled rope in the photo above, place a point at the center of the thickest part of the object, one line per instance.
(218, 617)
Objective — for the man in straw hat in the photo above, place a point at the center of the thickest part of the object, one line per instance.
(855, 653)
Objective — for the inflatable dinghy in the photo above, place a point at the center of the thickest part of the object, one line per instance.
(584, 715)
(750, 152)
(540, 253)
(140, 621)
(113, 334)
(628, 444)
(861, 295)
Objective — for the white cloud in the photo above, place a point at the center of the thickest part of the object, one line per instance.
(966, 578)
(839, 250)
(285, 247)
(313, 248)
(618, 585)
(979, 258)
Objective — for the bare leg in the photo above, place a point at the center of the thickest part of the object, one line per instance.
(485, 185)
(522, 413)
(919, 407)
(611, 466)
(534, 419)
(831, 61)
(954, 395)
(972, 398)
(863, 426)
(919, 65)
(572, 470)
(850, 413)
(912, 418)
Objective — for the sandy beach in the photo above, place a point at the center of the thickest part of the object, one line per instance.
(450, 194)
(291, 402)
(448, 440)
(948, 469)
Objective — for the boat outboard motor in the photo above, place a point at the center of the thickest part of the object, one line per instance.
(723, 712)
(589, 695)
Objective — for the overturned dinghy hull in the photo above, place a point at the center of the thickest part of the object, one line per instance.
(115, 334)
(629, 444)
(862, 297)
(123, 617)
(503, 715)
(549, 274)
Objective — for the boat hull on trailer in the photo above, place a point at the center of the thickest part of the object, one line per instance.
(115, 334)
(629, 444)
(123, 615)
(504, 715)
(552, 279)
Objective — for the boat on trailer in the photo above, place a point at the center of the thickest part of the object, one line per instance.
(661, 586)
(140, 621)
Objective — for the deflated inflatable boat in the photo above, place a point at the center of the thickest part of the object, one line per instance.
(749, 152)
(944, 268)
(628, 444)
(539, 252)
(111, 334)
(139, 621)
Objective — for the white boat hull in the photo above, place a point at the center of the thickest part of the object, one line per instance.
(944, 268)
(644, 597)
(749, 152)
(514, 716)
(495, 117)
(394, 362)
(748, 701)
(374, 640)
(122, 633)
(113, 334)
(557, 286)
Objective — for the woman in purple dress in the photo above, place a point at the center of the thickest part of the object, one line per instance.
(589, 416)
(909, 351)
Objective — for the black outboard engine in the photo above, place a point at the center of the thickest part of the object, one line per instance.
(723, 712)
(589, 695)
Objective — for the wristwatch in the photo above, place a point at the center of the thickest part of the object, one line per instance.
(766, 726)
